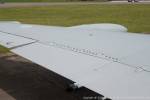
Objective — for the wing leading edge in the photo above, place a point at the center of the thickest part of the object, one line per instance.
(113, 64)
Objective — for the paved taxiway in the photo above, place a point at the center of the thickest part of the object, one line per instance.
(39, 4)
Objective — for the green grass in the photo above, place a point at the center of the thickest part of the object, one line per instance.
(44, 0)
(35, 0)
(3, 50)
(136, 17)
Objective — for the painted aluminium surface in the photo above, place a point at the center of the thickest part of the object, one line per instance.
(113, 63)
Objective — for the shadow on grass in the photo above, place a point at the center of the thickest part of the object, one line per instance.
(28, 81)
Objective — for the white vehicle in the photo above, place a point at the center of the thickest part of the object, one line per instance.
(102, 57)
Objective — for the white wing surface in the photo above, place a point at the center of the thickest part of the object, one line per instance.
(102, 57)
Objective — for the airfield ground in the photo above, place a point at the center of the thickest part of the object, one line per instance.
(134, 16)
(21, 79)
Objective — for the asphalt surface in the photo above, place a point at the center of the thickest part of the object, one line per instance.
(38, 4)
(21, 79)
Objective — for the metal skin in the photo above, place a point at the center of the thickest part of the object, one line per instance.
(102, 57)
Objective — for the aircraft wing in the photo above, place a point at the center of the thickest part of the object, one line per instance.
(102, 57)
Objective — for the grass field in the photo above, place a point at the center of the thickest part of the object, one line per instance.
(45, 0)
(35, 0)
(136, 17)
(3, 50)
